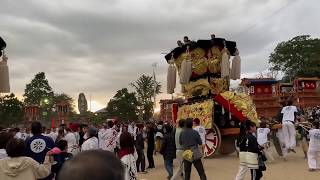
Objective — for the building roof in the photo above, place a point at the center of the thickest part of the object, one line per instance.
(103, 110)
(308, 79)
(170, 101)
(251, 81)
(286, 84)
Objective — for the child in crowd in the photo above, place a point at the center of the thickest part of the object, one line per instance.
(60, 156)
(304, 138)
(159, 136)
(262, 137)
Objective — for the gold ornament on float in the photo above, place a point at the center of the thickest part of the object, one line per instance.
(200, 87)
(202, 110)
(243, 103)
(219, 85)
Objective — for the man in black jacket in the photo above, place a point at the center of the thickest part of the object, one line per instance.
(150, 142)
(140, 147)
(168, 149)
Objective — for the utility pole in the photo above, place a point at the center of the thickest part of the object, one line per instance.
(154, 66)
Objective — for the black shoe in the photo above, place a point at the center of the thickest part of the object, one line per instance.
(291, 150)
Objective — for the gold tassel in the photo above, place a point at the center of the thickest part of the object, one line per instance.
(186, 69)
(236, 67)
(171, 78)
(225, 64)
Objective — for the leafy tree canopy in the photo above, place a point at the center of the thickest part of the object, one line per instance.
(64, 98)
(11, 110)
(38, 91)
(146, 89)
(299, 56)
(123, 105)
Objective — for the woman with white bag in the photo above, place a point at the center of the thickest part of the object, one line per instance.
(249, 150)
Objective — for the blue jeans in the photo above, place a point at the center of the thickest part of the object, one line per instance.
(168, 163)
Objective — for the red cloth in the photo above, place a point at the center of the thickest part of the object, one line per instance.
(230, 107)
(74, 126)
(52, 122)
(174, 112)
(124, 152)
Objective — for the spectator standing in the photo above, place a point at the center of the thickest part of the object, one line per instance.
(150, 144)
(91, 143)
(127, 156)
(168, 149)
(82, 133)
(38, 145)
(159, 136)
(132, 129)
(61, 156)
(141, 161)
(249, 150)
(109, 137)
(4, 138)
(190, 140)
(314, 148)
(179, 150)
(73, 146)
(61, 135)
(202, 132)
(19, 167)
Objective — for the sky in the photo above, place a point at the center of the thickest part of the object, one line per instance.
(100, 46)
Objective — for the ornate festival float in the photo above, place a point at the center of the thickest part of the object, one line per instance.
(204, 70)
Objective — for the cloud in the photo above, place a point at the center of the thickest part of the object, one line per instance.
(100, 46)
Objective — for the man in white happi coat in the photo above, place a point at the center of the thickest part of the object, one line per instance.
(288, 127)
(109, 137)
(132, 129)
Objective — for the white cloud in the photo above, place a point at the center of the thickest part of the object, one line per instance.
(100, 46)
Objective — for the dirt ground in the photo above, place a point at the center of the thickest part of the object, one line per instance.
(226, 167)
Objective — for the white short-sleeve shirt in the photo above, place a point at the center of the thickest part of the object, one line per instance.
(262, 135)
(202, 132)
(288, 113)
(314, 143)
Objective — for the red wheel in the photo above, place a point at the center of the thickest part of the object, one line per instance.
(213, 141)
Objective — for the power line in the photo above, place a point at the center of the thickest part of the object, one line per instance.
(290, 2)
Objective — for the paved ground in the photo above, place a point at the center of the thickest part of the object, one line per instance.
(226, 167)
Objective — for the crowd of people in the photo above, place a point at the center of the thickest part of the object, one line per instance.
(311, 113)
(254, 143)
(117, 151)
(40, 153)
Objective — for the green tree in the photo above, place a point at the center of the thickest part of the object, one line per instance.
(11, 110)
(299, 56)
(65, 98)
(146, 89)
(123, 105)
(38, 91)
